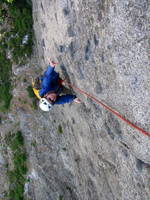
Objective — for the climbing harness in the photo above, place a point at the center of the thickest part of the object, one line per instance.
(108, 108)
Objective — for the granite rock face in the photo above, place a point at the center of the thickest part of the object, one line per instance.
(81, 151)
(101, 47)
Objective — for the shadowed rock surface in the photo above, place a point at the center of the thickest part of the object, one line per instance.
(83, 152)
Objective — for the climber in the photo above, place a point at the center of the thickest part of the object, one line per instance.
(51, 88)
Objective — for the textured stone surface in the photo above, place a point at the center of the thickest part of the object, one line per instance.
(101, 47)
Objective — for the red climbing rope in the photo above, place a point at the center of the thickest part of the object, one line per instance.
(108, 108)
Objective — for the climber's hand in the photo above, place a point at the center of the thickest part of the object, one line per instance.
(77, 100)
(52, 63)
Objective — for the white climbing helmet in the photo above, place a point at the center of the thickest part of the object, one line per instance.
(45, 105)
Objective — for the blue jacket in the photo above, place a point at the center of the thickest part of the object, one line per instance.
(50, 83)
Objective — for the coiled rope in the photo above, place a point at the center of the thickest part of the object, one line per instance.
(109, 109)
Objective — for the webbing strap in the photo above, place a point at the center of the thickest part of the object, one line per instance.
(109, 109)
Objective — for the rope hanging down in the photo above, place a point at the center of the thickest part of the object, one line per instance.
(108, 108)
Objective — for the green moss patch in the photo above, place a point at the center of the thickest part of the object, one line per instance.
(60, 130)
(15, 43)
(17, 176)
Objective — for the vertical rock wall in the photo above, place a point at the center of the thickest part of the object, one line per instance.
(83, 152)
